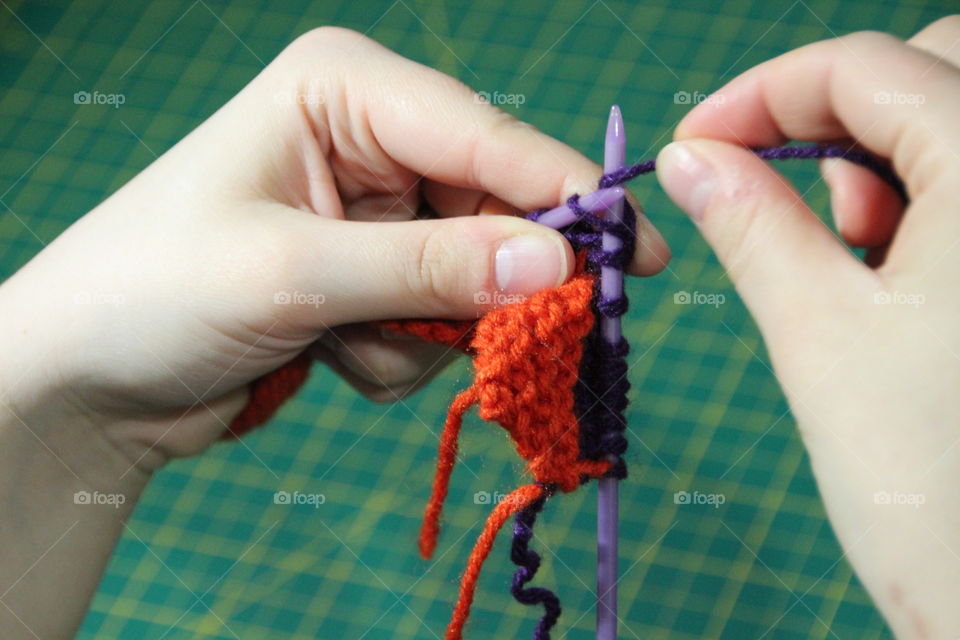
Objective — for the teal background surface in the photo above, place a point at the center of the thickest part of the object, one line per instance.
(208, 554)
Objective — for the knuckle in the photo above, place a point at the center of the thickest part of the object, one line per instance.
(862, 42)
(948, 26)
(497, 124)
(327, 37)
(327, 43)
(430, 277)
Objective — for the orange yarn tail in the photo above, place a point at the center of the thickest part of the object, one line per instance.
(446, 459)
(511, 503)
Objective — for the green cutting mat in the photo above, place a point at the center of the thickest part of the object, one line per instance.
(208, 553)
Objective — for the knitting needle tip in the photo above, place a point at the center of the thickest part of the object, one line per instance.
(614, 149)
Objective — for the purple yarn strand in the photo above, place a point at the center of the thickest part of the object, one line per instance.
(802, 152)
(528, 562)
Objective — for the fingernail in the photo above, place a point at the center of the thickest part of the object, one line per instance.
(527, 264)
(687, 178)
(828, 168)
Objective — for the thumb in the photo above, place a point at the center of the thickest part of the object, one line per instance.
(780, 256)
(444, 268)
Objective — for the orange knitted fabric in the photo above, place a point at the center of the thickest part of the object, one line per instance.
(454, 333)
(267, 393)
(526, 360)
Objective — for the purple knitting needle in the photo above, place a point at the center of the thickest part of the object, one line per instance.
(599, 200)
(611, 288)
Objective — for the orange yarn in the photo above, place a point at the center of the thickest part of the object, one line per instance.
(526, 360)
(515, 501)
(267, 393)
(454, 333)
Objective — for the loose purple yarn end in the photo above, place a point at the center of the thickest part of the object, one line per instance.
(528, 562)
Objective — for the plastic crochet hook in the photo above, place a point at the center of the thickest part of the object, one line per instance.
(611, 287)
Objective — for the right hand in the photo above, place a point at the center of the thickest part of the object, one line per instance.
(868, 354)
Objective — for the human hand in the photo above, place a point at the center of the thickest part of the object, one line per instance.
(867, 354)
(284, 215)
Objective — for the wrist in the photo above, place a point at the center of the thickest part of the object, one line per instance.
(39, 401)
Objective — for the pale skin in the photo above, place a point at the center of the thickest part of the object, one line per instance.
(871, 385)
(307, 181)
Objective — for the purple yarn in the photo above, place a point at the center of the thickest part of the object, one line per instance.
(627, 173)
(529, 561)
(600, 393)
(854, 155)
(803, 152)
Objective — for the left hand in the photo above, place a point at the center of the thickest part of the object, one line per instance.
(285, 215)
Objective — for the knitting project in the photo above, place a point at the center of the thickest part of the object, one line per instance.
(544, 373)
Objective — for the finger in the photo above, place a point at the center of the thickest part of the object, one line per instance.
(651, 256)
(377, 207)
(776, 251)
(509, 159)
(444, 268)
(865, 208)
(370, 390)
(449, 201)
(434, 126)
(940, 39)
(888, 96)
(427, 122)
(384, 358)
